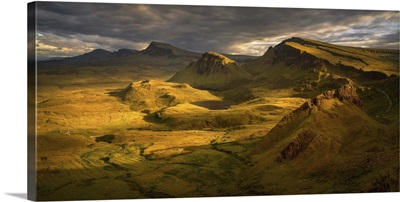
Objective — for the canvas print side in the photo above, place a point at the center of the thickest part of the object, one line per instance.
(161, 101)
(32, 180)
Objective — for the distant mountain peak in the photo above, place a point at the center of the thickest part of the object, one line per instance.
(96, 53)
(160, 49)
(160, 45)
(305, 41)
(126, 49)
(156, 43)
(99, 50)
(124, 52)
(164, 49)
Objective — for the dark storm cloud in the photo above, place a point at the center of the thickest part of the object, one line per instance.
(391, 38)
(199, 28)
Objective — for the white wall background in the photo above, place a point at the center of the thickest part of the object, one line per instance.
(13, 92)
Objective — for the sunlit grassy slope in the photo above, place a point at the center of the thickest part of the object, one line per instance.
(144, 155)
(151, 95)
(344, 60)
(366, 59)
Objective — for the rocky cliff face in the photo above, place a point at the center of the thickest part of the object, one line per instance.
(288, 55)
(269, 57)
(293, 56)
(346, 93)
(214, 63)
(354, 63)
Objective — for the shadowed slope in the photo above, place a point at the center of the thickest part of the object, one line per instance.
(164, 49)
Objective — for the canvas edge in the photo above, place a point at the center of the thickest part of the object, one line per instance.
(31, 102)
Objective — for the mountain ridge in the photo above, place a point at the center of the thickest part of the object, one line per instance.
(315, 53)
(165, 49)
(154, 49)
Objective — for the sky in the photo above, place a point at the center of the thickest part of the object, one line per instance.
(69, 29)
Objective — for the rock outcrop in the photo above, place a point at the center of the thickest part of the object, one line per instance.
(345, 93)
(322, 104)
(212, 71)
(297, 145)
(214, 63)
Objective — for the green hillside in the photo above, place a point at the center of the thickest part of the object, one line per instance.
(327, 145)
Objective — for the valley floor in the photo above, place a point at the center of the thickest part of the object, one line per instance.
(91, 145)
(139, 161)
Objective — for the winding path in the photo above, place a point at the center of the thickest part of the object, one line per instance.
(390, 101)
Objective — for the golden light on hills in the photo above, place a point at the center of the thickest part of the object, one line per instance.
(305, 117)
